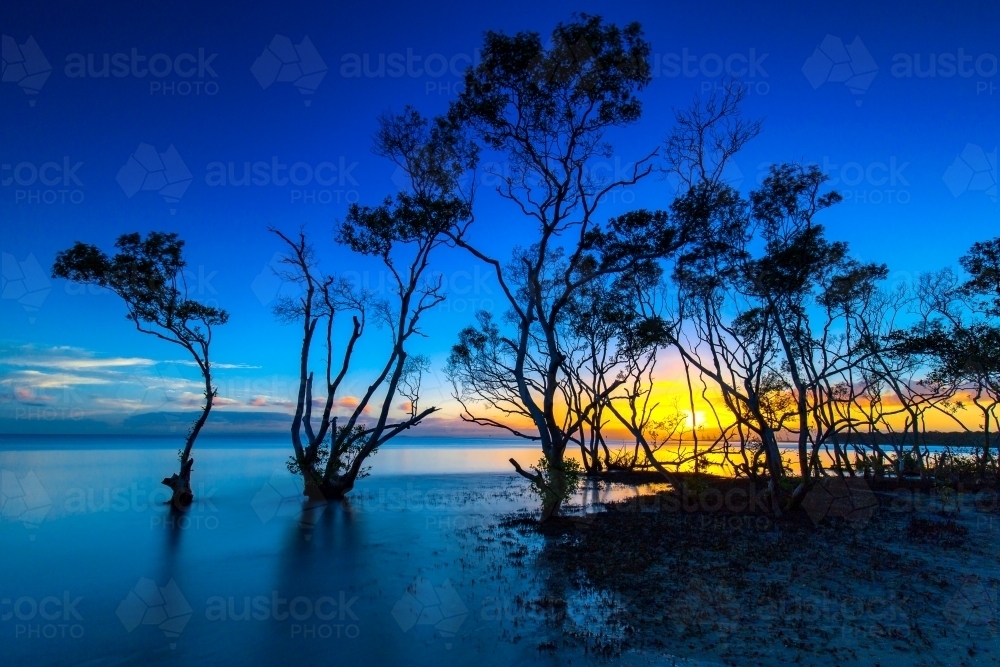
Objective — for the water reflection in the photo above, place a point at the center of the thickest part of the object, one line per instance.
(225, 575)
(593, 494)
(250, 548)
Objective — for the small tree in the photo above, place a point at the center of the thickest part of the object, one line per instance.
(411, 379)
(402, 233)
(982, 348)
(982, 263)
(148, 275)
(959, 336)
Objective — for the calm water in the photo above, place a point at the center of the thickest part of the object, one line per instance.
(95, 571)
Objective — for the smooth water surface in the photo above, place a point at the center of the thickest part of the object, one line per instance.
(97, 571)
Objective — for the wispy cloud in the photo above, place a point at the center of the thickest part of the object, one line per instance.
(215, 364)
(113, 390)
(349, 402)
(88, 384)
(67, 359)
(275, 402)
(45, 380)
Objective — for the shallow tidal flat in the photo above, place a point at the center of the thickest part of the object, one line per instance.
(441, 567)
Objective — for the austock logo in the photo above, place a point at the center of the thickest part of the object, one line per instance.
(440, 607)
(973, 170)
(51, 617)
(283, 62)
(847, 498)
(268, 284)
(281, 497)
(875, 182)
(23, 499)
(326, 182)
(147, 169)
(136, 498)
(443, 74)
(25, 65)
(976, 605)
(947, 65)
(312, 618)
(194, 71)
(149, 604)
(835, 62)
(747, 67)
(50, 182)
(24, 282)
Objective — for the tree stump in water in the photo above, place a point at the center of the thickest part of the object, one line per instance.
(181, 486)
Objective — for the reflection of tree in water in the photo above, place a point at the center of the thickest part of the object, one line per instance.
(321, 554)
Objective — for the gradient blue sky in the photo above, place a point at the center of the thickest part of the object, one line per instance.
(914, 156)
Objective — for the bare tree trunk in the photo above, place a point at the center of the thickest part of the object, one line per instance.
(180, 483)
(549, 510)
(331, 489)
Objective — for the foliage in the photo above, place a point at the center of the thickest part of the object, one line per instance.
(982, 263)
(348, 442)
(148, 274)
(590, 67)
(559, 479)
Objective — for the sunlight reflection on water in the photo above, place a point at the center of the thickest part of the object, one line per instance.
(415, 556)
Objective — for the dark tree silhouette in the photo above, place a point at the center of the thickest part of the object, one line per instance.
(771, 300)
(148, 275)
(982, 263)
(403, 233)
(959, 336)
(547, 109)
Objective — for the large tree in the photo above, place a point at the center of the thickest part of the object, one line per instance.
(766, 309)
(148, 275)
(546, 111)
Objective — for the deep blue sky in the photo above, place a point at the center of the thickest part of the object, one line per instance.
(891, 143)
